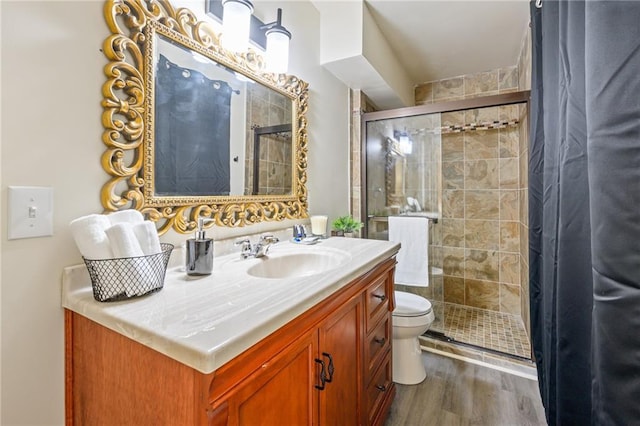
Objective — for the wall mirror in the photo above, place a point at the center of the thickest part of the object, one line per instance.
(193, 130)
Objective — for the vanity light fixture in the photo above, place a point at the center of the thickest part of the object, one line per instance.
(277, 46)
(236, 21)
(239, 26)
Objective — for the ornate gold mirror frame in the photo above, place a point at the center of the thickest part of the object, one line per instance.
(128, 120)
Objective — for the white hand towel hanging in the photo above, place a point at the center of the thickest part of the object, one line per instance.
(413, 258)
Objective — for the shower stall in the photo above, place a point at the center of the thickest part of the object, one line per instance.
(463, 165)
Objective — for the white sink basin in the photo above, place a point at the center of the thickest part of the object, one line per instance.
(291, 265)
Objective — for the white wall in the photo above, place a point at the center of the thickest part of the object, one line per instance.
(50, 136)
(341, 29)
(354, 49)
(382, 57)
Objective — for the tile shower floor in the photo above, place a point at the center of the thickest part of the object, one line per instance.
(487, 329)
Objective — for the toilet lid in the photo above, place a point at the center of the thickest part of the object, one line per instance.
(410, 305)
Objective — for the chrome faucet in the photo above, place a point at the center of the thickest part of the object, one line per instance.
(263, 245)
(260, 249)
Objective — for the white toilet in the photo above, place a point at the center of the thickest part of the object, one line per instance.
(411, 317)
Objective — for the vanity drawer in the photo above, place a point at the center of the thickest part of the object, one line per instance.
(380, 386)
(376, 301)
(378, 344)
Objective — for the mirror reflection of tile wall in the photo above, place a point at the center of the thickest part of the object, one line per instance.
(266, 107)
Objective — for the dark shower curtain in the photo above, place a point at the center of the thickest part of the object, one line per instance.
(584, 203)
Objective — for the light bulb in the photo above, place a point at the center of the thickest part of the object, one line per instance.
(236, 23)
(277, 54)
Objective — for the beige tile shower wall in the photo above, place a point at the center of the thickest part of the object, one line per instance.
(494, 82)
(355, 123)
(359, 104)
(480, 232)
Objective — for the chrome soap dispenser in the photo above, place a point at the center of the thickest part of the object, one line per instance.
(199, 256)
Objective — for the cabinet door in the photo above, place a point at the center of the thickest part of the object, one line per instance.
(340, 348)
(282, 390)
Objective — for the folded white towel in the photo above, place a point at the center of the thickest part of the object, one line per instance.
(413, 258)
(126, 216)
(147, 236)
(123, 241)
(90, 236)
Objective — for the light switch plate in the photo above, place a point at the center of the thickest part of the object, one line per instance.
(30, 212)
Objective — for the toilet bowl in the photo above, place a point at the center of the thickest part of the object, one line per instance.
(411, 317)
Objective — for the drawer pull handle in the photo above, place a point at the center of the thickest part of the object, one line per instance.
(382, 297)
(381, 388)
(329, 367)
(380, 340)
(323, 375)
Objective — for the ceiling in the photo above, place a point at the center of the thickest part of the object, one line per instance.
(434, 40)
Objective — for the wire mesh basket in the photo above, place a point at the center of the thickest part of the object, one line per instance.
(128, 277)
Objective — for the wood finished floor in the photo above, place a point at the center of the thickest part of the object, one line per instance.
(460, 393)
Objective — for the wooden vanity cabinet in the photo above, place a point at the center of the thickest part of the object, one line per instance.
(340, 338)
(379, 388)
(328, 366)
(283, 388)
(290, 385)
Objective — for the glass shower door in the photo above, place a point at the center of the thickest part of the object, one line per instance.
(466, 166)
(403, 169)
(403, 176)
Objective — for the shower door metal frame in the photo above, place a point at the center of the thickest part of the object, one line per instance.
(523, 96)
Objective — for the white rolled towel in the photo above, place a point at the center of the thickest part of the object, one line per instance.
(89, 233)
(126, 216)
(125, 244)
(123, 241)
(147, 236)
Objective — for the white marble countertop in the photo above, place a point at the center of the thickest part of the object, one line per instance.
(204, 322)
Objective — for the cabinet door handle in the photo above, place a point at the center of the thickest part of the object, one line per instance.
(380, 340)
(381, 388)
(323, 375)
(382, 297)
(330, 367)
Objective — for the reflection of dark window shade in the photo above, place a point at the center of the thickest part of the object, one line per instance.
(192, 122)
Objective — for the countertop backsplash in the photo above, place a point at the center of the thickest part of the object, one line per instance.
(224, 243)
